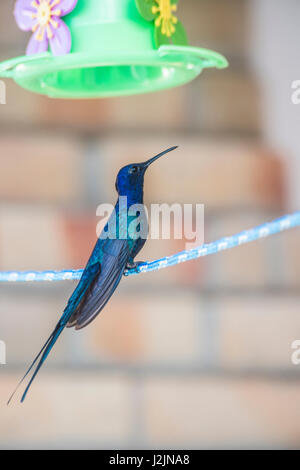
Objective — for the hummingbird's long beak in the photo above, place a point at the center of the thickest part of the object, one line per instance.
(148, 163)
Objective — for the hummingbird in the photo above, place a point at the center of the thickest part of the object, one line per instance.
(109, 260)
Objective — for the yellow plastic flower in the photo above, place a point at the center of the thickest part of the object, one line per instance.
(168, 30)
(165, 19)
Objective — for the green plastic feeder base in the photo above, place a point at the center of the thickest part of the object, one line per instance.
(78, 76)
(113, 54)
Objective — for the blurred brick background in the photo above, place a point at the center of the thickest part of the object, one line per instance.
(194, 356)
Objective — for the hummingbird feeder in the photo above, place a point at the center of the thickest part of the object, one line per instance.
(102, 48)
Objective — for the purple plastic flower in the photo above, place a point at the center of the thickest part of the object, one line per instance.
(43, 18)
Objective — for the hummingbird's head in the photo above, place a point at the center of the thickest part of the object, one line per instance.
(131, 177)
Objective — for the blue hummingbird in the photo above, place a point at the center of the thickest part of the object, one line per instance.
(109, 260)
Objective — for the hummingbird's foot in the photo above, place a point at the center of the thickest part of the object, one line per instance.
(134, 265)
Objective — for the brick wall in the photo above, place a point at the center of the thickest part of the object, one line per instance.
(194, 356)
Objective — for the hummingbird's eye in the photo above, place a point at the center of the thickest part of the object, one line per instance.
(133, 169)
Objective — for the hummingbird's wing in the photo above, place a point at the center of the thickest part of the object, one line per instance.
(115, 254)
(97, 284)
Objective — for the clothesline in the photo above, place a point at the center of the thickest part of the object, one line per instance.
(270, 228)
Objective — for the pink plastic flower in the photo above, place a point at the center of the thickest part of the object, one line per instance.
(43, 18)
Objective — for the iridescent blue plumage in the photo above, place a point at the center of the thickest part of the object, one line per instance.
(106, 265)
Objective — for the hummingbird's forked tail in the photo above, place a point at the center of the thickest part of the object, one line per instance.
(44, 352)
